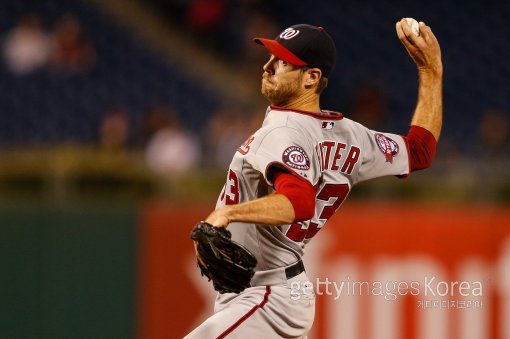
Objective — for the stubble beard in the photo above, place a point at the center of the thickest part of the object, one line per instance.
(281, 94)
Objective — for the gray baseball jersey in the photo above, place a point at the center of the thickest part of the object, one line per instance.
(330, 151)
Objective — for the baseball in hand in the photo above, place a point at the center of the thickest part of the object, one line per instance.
(414, 25)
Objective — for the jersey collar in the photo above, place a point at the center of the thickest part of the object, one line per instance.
(325, 115)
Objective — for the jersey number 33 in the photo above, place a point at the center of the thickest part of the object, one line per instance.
(330, 197)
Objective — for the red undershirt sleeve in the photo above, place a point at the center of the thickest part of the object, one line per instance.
(421, 146)
(300, 193)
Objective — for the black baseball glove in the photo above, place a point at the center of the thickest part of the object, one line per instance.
(228, 264)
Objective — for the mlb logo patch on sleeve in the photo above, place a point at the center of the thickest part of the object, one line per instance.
(388, 146)
(296, 157)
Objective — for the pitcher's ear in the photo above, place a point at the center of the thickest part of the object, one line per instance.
(313, 76)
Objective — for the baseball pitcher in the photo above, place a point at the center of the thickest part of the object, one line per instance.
(290, 177)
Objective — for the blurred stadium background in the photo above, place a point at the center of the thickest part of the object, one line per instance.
(118, 119)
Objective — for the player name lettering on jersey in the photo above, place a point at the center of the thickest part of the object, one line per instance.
(335, 156)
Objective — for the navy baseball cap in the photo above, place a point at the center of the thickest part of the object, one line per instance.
(303, 45)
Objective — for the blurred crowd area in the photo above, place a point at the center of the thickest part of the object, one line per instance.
(73, 73)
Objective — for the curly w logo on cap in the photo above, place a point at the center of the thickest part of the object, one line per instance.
(289, 33)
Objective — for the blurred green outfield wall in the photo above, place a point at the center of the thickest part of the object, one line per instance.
(67, 273)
